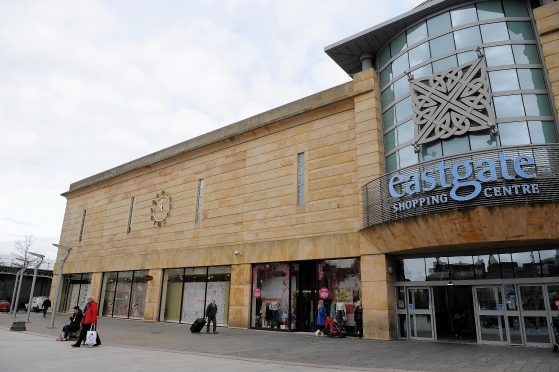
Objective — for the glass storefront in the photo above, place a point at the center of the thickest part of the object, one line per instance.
(285, 295)
(187, 291)
(75, 288)
(123, 294)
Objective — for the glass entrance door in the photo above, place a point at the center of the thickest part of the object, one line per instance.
(420, 313)
(490, 315)
(534, 314)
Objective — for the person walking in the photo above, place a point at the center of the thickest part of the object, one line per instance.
(46, 305)
(74, 325)
(89, 319)
(321, 318)
(358, 317)
(211, 312)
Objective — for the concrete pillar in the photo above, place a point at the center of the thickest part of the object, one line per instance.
(379, 298)
(366, 61)
(153, 295)
(239, 299)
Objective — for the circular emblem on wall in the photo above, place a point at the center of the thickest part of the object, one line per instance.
(160, 208)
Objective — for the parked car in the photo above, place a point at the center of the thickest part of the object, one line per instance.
(36, 303)
(4, 305)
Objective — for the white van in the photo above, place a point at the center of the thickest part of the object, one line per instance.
(36, 303)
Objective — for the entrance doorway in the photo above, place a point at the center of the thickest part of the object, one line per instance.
(454, 313)
(306, 296)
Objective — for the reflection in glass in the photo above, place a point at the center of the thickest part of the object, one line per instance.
(109, 285)
(492, 328)
(503, 80)
(499, 55)
(487, 267)
(122, 295)
(531, 78)
(515, 133)
(461, 267)
(508, 106)
(171, 295)
(549, 260)
(402, 326)
(437, 268)
(456, 145)
(514, 330)
(432, 150)
(525, 54)
(414, 270)
(515, 8)
(423, 71)
(467, 57)
(398, 44)
(390, 140)
(405, 132)
(444, 64)
(506, 266)
(464, 15)
(417, 33)
(387, 96)
(536, 104)
(531, 297)
(419, 54)
(391, 163)
(403, 109)
(408, 156)
(138, 294)
(467, 37)
(488, 298)
(489, 10)
(400, 64)
(536, 329)
(520, 31)
(385, 75)
(481, 140)
(510, 297)
(494, 32)
(388, 117)
(553, 295)
(384, 56)
(526, 264)
(401, 293)
(423, 325)
(441, 45)
(438, 24)
(418, 298)
(401, 87)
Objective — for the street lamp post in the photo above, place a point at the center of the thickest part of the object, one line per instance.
(21, 275)
(30, 303)
(57, 293)
(15, 291)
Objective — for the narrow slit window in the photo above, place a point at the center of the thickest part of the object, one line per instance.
(130, 213)
(83, 223)
(199, 200)
(300, 178)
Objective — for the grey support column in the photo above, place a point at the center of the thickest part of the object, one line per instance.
(366, 61)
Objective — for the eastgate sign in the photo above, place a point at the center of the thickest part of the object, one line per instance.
(467, 182)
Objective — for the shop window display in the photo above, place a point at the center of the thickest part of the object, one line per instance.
(123, 294)
(75, 289)
(270, 297)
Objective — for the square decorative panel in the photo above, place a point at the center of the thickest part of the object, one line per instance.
(452, 103)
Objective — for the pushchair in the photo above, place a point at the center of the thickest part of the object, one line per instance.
(333, 328)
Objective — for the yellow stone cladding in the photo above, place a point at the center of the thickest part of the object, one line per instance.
(547, 24)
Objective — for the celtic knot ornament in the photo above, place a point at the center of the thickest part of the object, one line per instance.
(452, 103)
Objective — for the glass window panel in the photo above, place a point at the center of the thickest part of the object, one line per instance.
(467, 37)
(553, 295)
(122, 295)
(401, 293)
(109, 285)
(514, 330)
(461, 267)
(438, 24)
(398, 45)
(500, 55)
(419, 54)
(525, 264)
(526, 54)
(508, 106)
(490, 10)
(391, 163)
(520, 31)
(387, 96)
(437, 268)
(405, 132)
(138, 300)
(510, 297)
(466, 57)
(219, 278)
(384, 56)
(531, 297)
(441, 45)
(489, 298)
(536, 104)
(542, 132)
(481, 140)
(407, 156)
(390, 140)
(515, 8)
(494, 32)
(549, 260)
(431, 151)
(194, 294)
(388, 118)
(456, 145)
(419, 297)
(506, 266)
(424, 327)
(385, 75)
(417, 33)
(536, 329)
(531, 78)
(444, 64)
(423, 71)
(403, 109)
(464, 15)
(402, 326)
(515, 133)
(400, 65)
(487, 267)
(414, 270)
(401, 87)
(503, 80)
(171, 295)
(492, 327)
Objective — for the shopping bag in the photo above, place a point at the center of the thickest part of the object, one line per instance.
(91, 336)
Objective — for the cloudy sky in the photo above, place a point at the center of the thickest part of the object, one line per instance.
(88, 85)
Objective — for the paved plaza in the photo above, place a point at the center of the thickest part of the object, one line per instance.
(130, 345)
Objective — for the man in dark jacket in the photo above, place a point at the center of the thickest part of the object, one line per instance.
(74, 324)
(46, 305)
(358, 317)
(211, 312)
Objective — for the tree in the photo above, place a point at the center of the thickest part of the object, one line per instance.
(21, 254)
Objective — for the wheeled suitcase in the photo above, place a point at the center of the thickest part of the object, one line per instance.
(197, 326)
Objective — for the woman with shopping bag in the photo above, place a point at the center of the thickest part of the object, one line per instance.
(89, 325)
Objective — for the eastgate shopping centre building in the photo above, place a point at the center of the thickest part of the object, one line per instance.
(426, 187)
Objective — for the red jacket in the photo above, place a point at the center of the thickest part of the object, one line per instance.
(90, 316)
